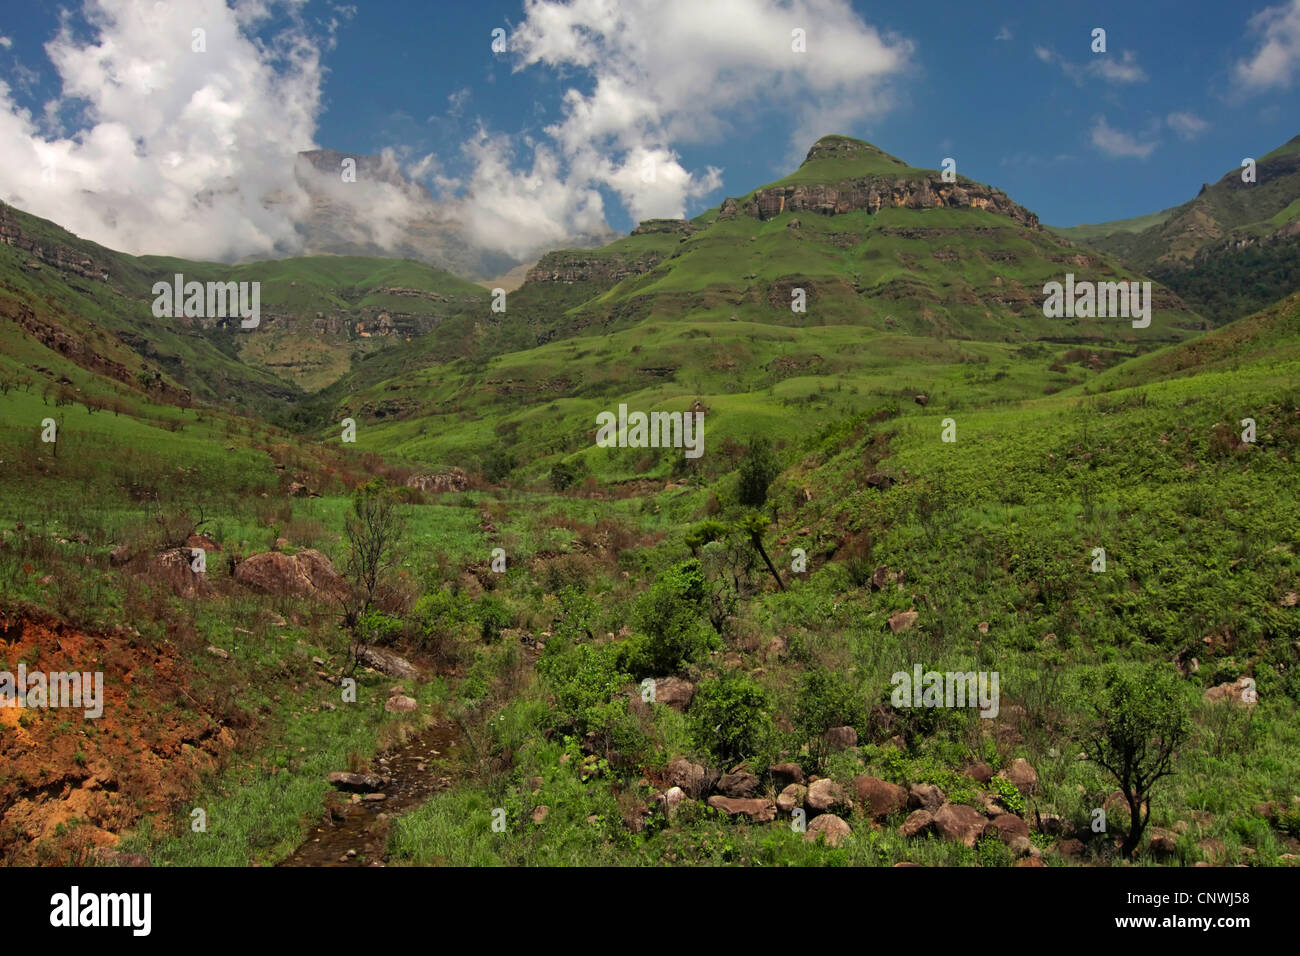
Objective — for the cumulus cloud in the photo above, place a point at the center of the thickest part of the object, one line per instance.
(170, 150)
(1119, 144)
(1187, 125)
(1276, 59)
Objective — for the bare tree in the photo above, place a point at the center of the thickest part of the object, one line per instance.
(374, 531)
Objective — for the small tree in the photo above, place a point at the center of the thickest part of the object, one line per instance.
(758, 470)
(374, 532)
(1137, 722)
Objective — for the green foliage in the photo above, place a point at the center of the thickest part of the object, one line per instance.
(1006, 792)
(827, 699)
(585, 680)
(493, 616)
(671, 623)
(565, 472)
(757, 471)
(729, 717)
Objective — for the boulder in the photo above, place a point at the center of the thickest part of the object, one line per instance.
(674, 692)
(827, 827)
(305, 574)
(917, 822)
(755, 810)
(925, 796)
(398, 704)
(1021, 775)
(791, 797)
(670, 799)
(1008, 828)
(959, 823)
(173, 569)
(784, 774)
(879, 798)
(1241, 691)
(980, 772)
(691, 777)
(826, 795)
(387, 662)
(738, 785)
(840, 738)
(1163, 842)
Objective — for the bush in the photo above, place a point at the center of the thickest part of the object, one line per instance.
(826, 700)
(585, 679)
(728, 718)
(493, 616)
(565, 473)
(670, 620)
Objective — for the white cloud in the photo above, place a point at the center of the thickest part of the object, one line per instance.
(1277, 58)
(1003, 34)
(1188, 126)
(1119, 144)
(1123, 68)
(176, 151)
(6, 42)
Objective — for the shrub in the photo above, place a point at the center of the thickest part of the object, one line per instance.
(728, 717)
(493, 616)
(826, 700)
(670, 621)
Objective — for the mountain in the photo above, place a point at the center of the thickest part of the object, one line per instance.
(318, 314)
(1228, 252)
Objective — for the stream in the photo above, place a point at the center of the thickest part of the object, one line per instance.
(354, 831)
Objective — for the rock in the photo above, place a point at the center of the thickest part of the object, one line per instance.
(922, 400)
(173, 568)
(959, 823)
(356, 782)
(980, 772)
(881, 577)
(1021, 775)
(202, 541)
(925, 796)
(280, 544)
(399, 704)
(674, 692)
(455, 480)
(840, 738)
(1030, 861)
(1163, 842)
(691, 777)
(791, 797)
(879, 798)
(389, 663)
(1241, 691)
(305, 574)
(219, 652)
(917, 822)
(902, 620)
(119, 556)
(1008, 828)
(756, 810)
(1215, 850)
(1071, 849)
(1290, 599)
(738, 785)
(880, 480)
(826, 795)
(983, 627)
(784, 774)
(670, 799)
(827, 827)
(375, 797)
(539, 813)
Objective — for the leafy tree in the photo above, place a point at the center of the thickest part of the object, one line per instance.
(1137, 721)
(758, 470)
(670, 620)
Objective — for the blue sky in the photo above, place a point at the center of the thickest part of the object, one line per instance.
(551, 136)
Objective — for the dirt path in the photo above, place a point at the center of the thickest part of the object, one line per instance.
(355, 832)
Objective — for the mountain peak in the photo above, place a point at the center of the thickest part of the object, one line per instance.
(846, 148)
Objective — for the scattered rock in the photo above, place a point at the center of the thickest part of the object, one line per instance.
(756, 810)
(791, 797)
(840, 738)
(1023, 776)
(917, 822)
(738, 785)
(784, 774)
(826, 795)
(674, 692)
(356, 782)
(219, 652)
(925, 796)
(879, 797)
(1008, 827)
(539, 813)
(1163, 842)
(1241, 691)
(980, 772)
(959, 823)
(400, 704)
(389, 663)
(691, 777)
(305, 574)
(828, 827)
